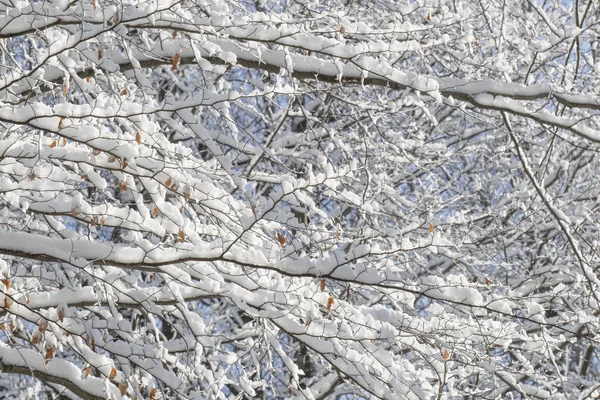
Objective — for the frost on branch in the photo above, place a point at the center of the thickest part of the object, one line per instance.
(302, 199)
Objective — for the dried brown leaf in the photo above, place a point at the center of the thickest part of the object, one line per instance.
(123, 387)
(322, 285)
(36, 337)
(50, 349)
(330, 302)
(138, 138)
(7, 303)
(446, 354)
(42, 325)
(175, 63)
(113, 373)
(281, 239)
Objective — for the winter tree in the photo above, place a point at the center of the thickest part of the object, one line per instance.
(300, 199)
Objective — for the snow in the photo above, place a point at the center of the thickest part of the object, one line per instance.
(126, 214)
(59, 369)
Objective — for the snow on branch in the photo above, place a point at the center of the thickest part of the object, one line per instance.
(227, 200)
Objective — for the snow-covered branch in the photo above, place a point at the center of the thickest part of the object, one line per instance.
(311, 200)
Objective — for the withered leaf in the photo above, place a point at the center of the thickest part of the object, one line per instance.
(175, 63)
(7, 303)
(42, 325)
(123, 387)
(7, 283)
(330, 302)
(36, 337)
(446, 354)
(50, 349)
(281, 239)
